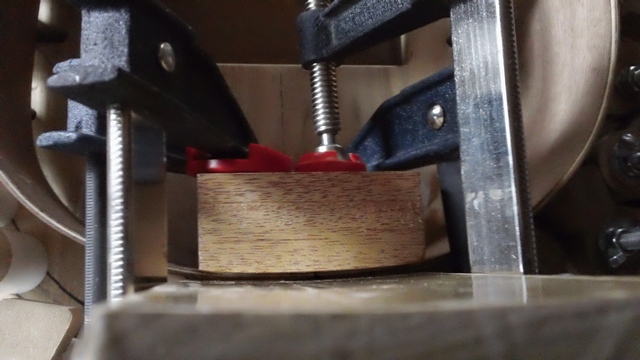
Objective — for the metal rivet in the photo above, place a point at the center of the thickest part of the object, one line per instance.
(435, 117)
(167, 57)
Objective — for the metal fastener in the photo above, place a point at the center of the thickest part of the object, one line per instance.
(435, 117)
(626, 157)
(620, 241)
(628, 81)
(167, 57)
(118, 174)
(324, 97)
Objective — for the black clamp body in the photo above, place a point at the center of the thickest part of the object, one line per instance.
(349, 26)
(399, 136)
(138, 56)
(120, 64)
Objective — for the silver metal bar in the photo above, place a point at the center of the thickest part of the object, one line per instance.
(120, 280)
(136, 204)
(497, 206)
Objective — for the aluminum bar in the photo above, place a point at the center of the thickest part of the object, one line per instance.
(497, 206)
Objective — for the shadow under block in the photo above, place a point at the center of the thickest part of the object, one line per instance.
(309, 222)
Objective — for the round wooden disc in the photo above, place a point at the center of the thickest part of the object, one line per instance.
(567, 55)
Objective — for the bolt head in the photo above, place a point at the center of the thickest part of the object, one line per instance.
(626, 157)
(634, 162)
(617, 260)
(435, 117)
(167, 57)
(628, 81)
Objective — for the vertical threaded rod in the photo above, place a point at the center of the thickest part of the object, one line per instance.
(324, 96)
(96, 242)
(118, 173)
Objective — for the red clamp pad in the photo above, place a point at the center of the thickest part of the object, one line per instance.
(261, 159)
(329, 162)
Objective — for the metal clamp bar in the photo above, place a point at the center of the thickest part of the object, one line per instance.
(494, 178)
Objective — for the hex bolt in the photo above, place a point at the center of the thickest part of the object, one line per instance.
(626, 156)
(620, 242)
(435, 117)
(634, 162)
(324, 90)
(167, 57)
(628, 81)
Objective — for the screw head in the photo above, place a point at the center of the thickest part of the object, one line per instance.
(167, 57)
(435, 117)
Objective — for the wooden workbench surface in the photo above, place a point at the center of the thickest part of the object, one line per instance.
(420, 316)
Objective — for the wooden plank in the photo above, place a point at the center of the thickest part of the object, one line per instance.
(34, 330)
(261, 32)
(419, 316)
(309, 222)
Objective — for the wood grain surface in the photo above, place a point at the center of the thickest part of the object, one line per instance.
(32, 330)
(306, 222)
(418, 316)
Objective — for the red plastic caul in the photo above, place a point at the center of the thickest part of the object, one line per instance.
(329, 162)
(261, 159)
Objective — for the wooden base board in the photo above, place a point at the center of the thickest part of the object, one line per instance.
(419, 316)
(34, 330)
(309, 222)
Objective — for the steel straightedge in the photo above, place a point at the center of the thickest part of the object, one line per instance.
(398, 135)
(120, 65)
(494, 177)
(349, 26)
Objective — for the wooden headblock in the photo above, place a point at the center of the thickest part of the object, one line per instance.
(309, 222)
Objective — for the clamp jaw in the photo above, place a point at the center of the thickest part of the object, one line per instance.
(466, 120)
(141, 93)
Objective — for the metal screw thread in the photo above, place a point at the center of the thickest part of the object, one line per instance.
(96, 245)
(324, 95)
(116, 257)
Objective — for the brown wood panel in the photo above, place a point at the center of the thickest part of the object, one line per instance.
(297, 222)
(261, 32)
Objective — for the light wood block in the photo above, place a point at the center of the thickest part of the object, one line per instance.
(33, 330)
(309, 222)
